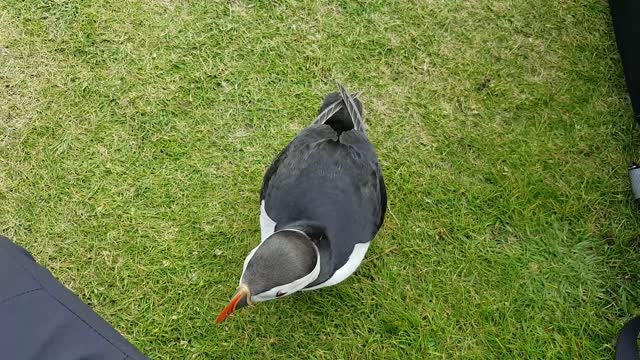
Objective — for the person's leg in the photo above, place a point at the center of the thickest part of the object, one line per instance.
(627, 344)
(41, 319)
(625, 15)
(626, 25)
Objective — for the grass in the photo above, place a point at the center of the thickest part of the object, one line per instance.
(134, 136)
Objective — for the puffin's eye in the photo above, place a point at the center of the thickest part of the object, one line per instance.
(280, 293)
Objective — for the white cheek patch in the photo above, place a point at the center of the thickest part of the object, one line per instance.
(292, 287)
(356, 257)
(246, 261)
(267, 228)
(267, 225)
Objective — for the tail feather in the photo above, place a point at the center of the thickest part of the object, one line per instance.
(354, 113)
(330, 110)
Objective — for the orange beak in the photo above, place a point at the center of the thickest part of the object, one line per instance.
(240, 299)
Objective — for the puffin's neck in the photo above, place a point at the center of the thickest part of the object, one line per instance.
(313, 230)
(316, 232)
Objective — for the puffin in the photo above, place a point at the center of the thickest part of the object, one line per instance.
(322, 202)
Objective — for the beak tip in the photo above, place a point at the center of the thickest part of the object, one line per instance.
(239, 298)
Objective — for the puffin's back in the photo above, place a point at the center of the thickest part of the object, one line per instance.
(329, 175)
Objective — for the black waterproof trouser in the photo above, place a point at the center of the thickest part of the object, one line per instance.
(41, 319)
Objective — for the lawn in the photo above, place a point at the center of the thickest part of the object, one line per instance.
(134, 136)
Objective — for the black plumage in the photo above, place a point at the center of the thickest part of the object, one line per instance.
(327, 182)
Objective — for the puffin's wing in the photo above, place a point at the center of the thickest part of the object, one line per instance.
(271, 170)
(294, 153)
(383, 196)
(372, 179)
(360, 143)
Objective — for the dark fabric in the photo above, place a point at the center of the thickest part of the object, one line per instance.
(627, 345)
(41, 319)
(626, 24)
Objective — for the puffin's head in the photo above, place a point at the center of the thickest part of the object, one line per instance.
(282, 264)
